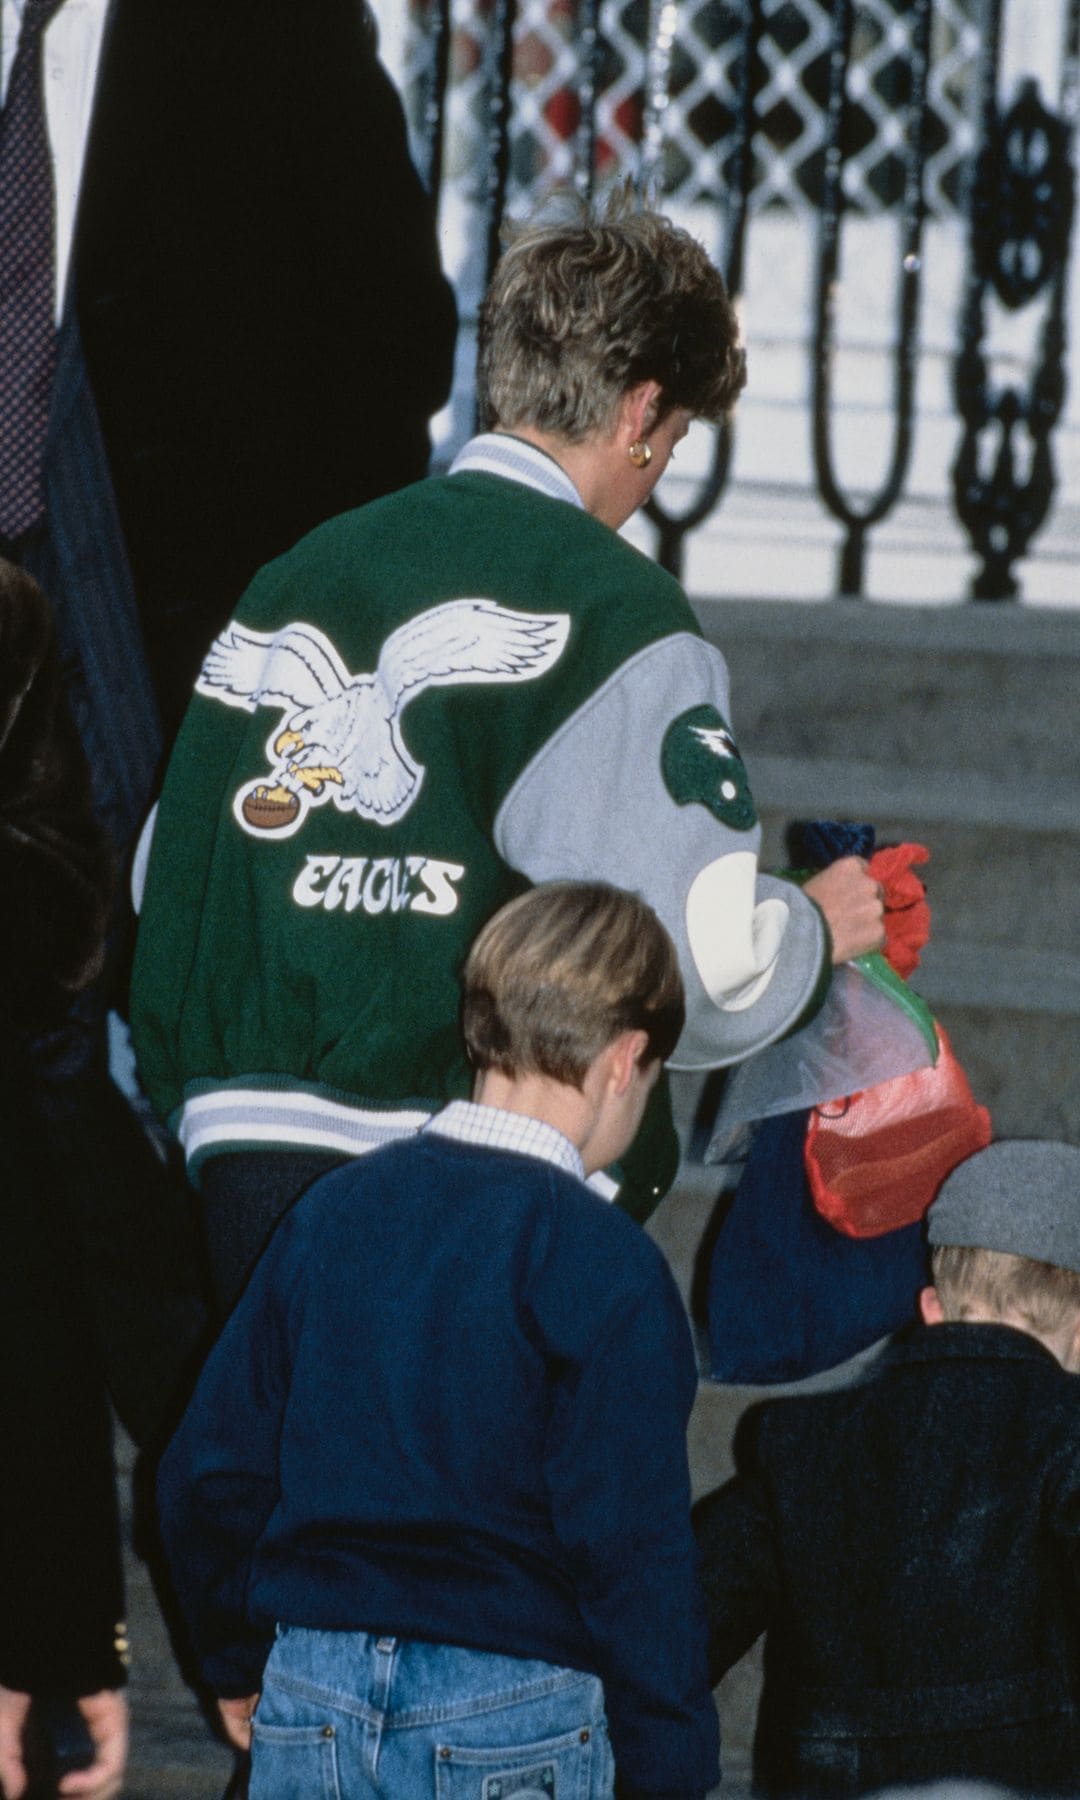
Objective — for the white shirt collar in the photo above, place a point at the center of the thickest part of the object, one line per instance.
(496, 453)
(468, 1123)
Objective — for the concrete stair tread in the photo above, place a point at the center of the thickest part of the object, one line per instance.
(1019, 980)
(809, 788)
(996, 632)
(889, 699)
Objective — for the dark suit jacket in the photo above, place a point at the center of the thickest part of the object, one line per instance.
(257, 285)
(910, 1547)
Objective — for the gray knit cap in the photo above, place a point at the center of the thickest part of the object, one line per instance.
(1017, 1195)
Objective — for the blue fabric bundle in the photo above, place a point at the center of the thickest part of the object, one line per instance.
(789, 1296)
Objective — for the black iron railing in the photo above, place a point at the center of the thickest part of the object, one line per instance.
(1021, 215)
(1012, 182)
(857, 516)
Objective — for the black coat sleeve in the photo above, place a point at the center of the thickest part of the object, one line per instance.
(740, 1570)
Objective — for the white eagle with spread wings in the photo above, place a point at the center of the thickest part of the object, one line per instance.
(340, 734)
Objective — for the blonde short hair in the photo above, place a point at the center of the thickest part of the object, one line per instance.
(562, 971)
(580, 311)
(1045, 1296)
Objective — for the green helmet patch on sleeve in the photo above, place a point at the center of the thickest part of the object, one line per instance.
(700, 762)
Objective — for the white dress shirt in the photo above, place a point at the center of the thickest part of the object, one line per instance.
(72, 52)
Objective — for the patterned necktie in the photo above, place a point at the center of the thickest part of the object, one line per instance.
(27, 279)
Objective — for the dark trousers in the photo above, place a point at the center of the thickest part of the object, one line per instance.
(244, 1194)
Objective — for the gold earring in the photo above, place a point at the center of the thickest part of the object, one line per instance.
(640, 453)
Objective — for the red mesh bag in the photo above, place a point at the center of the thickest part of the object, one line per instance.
(875, 1160)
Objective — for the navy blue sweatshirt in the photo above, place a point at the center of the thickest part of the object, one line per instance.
(452, 1406)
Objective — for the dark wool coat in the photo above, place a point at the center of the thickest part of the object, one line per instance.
(256, 330)
(59, 1536)
(54, 866)
(909, 1545)
(256, 278)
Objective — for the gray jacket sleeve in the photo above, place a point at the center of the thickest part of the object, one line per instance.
(643, 786)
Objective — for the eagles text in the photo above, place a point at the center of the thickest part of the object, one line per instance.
(378, 884)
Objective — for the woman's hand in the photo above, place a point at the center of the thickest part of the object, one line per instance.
(853, 904)
(14, 1712)
(106, 1718)
(236, 1716)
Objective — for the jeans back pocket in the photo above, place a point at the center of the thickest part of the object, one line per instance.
(294, 1762)
(560, 1768)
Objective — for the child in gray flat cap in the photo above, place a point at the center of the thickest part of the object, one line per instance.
(910, 1545)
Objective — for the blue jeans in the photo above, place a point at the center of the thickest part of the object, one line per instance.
(346, 1716)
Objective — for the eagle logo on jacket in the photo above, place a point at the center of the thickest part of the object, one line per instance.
(339, 736)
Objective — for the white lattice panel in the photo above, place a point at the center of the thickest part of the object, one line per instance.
(698, 119)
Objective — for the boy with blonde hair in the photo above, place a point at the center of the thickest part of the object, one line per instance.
(911, 1545)
(440, 1446)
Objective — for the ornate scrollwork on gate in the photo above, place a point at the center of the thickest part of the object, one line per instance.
(1022, 200)
(1022, 204)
